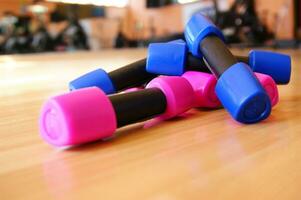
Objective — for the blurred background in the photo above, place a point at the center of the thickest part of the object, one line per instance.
(34, 26)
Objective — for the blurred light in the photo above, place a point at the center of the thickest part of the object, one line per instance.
(115, 3)
(38, 8)
(187, 1)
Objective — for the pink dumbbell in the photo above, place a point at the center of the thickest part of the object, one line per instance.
(87, 115)
(204, 86)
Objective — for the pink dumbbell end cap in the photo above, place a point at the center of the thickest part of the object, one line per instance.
(77, 117)
(270, 87)
(203, 85)
(178, 92)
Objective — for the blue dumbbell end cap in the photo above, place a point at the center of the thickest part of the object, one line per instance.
(98, 78)
(167, 58)
(242, 95)
(197, 28)
(276, 65)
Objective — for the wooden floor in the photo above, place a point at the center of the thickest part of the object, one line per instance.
(203, 155)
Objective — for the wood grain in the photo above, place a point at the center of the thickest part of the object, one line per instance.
(201, 155)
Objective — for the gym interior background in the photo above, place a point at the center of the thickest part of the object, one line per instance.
(33, 26)
(202, 154)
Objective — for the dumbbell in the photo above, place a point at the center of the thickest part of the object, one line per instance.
(131, 75)
(172, 58)
(237, 88)
(88, 114)
(204, 84)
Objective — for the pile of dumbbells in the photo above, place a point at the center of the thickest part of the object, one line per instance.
(200, 72)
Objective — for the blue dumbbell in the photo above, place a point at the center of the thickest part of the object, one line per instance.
(173, 59)
(131, 75)
(237, 87)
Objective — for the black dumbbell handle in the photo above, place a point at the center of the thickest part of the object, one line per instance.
(131, 75)
(135, 74)
(244, 59)
(138, 106)
(217, 55)
(195, 64)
